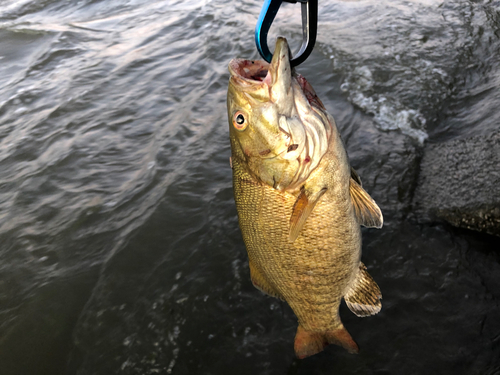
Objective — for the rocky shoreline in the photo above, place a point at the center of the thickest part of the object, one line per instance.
(459, 182)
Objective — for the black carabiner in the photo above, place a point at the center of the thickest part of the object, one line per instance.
(309, 10)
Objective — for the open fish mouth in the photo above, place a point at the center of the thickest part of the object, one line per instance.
(250, 71)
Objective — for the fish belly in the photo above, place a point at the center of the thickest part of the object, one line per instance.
(313, 272)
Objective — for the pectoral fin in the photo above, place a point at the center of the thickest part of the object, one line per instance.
(303, 207)
(363, 298)
(366, 210)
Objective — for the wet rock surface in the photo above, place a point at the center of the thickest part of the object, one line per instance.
(459, 182)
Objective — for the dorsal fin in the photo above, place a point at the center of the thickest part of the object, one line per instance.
(301, 210)
(355, 176)
(363, 297)
(366, 210)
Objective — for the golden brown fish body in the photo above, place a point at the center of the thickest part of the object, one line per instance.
(299, 203)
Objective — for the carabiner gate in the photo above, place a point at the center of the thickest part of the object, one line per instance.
(309, 9)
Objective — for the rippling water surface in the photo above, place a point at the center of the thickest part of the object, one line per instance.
(119, 245)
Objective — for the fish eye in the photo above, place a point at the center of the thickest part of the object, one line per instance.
(239, 121)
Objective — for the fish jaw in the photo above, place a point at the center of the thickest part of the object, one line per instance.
(280, 72)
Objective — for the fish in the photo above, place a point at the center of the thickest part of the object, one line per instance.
(299, 203)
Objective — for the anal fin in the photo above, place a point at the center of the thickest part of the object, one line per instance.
(261, 283)
(366, 210)
(303, 207)
(308, 343)
(363, 297)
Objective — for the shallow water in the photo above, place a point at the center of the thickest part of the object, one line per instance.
(119, 245)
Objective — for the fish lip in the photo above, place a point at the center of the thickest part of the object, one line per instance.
(281, 46)
(280, 63)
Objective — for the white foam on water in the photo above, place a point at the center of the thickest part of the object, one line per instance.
(388, 113)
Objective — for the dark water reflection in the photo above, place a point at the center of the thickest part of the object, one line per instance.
(119, 245)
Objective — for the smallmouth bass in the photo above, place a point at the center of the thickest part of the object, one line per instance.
(299, 203)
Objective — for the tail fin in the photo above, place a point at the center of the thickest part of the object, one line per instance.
(308, 343)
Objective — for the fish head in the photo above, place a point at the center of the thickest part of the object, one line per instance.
(267, 130)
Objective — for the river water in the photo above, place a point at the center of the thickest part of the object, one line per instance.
(120, 251)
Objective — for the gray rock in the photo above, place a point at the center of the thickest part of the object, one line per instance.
(459, 182)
